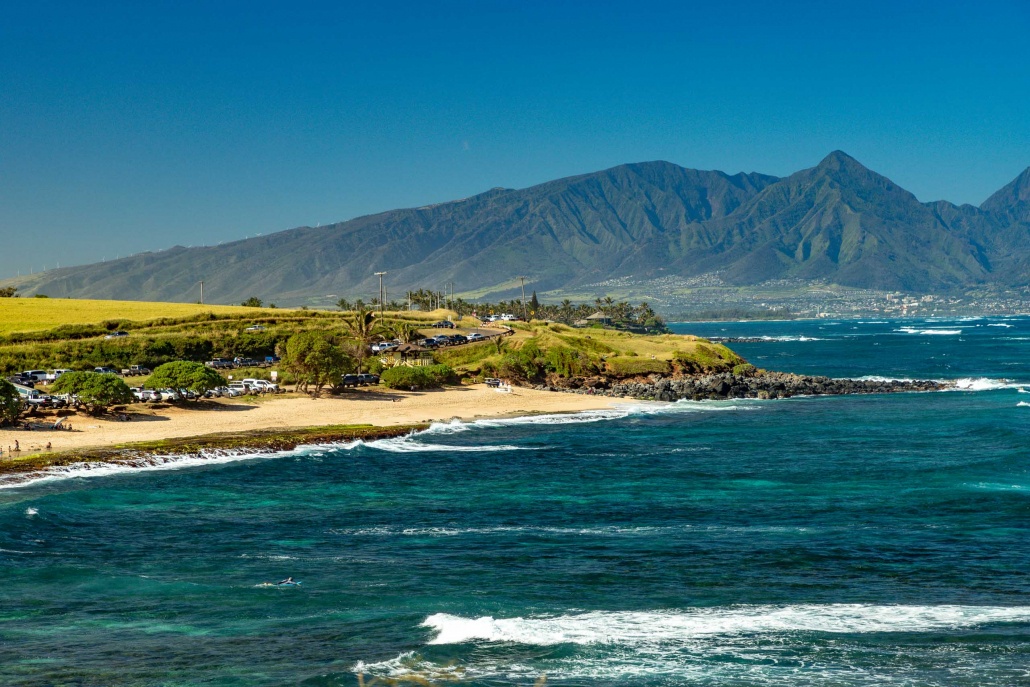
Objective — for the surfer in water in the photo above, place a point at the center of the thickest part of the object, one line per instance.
(287, 581)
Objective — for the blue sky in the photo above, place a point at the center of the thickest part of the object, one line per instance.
(138, 126)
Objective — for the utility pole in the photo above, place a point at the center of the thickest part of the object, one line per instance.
(380, 275)
(202, 292)
(525, 311)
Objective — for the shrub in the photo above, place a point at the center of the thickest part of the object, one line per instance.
(430, 377)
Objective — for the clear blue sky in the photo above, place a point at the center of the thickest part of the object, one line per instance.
(141, 125)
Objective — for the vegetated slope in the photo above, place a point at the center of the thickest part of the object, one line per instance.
(837, 221)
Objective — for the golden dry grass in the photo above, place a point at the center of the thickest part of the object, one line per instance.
(35, 314)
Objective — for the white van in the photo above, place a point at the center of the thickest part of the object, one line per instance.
(261, 385)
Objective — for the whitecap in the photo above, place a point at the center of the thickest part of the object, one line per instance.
(653, 627)
(30, 511)
(1009, 326)
(982, 384)
(1023, 404)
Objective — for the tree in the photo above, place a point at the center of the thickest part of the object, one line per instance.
(315, 359)
(406, 332)
(8, 292)
(534, 304)
(97, 391)
(10, 403)
(252, 302)
(363, 328)
(343, 304)
(182, 374)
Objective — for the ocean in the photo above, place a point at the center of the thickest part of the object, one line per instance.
(832, 541)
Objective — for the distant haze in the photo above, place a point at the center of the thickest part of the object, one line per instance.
(127, 127)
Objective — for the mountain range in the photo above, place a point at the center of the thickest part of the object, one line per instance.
(837, 222)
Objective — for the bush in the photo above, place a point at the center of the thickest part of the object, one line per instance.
(431, 377)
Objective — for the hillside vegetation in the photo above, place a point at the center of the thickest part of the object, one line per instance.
(541, 351)
(43, 333)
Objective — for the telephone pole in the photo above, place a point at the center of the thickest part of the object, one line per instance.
(525, 311)
(380, 275)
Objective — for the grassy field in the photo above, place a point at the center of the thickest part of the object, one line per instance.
(35, 314)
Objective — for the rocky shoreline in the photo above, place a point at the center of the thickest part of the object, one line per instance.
(727, 385)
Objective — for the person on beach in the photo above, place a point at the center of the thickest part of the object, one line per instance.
(17, 446)
(48, 446)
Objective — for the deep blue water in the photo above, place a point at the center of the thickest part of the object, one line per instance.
(861, 540)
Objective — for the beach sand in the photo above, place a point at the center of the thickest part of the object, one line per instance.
(378, 406)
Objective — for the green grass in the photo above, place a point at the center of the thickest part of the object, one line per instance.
(36, 314)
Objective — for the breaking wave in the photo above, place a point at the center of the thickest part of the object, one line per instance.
(645, 628)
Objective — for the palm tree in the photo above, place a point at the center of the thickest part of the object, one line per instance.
(566, 311)
(363, 327)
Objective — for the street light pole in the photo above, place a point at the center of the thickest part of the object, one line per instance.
(525, 311)
(380, 275)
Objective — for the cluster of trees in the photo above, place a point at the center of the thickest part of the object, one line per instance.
(9, 292)
(622, 313)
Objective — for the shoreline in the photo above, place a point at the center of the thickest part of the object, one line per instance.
(213, 428)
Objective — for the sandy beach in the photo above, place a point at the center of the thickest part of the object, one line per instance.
(363, 406)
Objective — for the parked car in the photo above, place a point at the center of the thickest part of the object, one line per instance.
(240, 387)
(255, 328)
(427, 343)
(32, 397)
(244, 362)
(20, 378)
(228, 392)
(136, 371)
(384, 346)
(368, 378)
(144, 395)
(272, 359)
(457, 339)
(475, 336)
(169, 395)
(444, 324)
(261, 385)
(106, 370)
(34, 375)
(116, 335)
(350, 380)
(219, 363)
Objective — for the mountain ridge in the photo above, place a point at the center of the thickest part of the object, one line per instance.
(837, 221)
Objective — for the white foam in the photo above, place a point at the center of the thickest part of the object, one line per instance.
(29, 512)
(659, 627)
(983, 384)
(878, 378)
(1000, 325)
(148, 464)
(930, 331)
(1023, 404)
(790, 338)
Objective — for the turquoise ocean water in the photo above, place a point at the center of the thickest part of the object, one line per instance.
(863, 540)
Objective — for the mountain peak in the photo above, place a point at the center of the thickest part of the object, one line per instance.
(839, 160)
(1013, 200)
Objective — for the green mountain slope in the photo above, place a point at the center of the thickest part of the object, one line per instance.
(837, 221)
